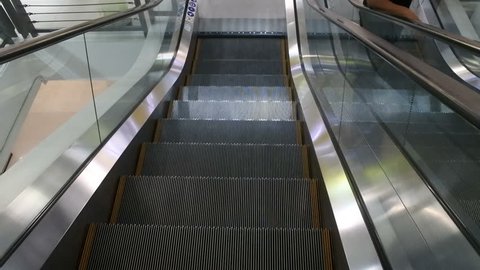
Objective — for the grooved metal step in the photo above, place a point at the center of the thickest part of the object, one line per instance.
(243, 26)
(225, 202)
(167, 247)
(233, 110)
(240, 48)
(239, 67)
(221, 131)
(236, 93)
(225, 160)
(237, 80)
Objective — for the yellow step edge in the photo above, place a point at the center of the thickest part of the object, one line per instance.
(314, 204)
(158, 130)
(298, 128)
(327, 250)
(118, 199)
(141, 159)
(306, 167)
(195, 59)
(87, 248)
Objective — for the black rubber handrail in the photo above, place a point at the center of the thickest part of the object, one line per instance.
(9, 53)
(459, 97)
(432, 31)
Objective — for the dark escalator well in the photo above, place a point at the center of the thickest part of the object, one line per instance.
(226, 181)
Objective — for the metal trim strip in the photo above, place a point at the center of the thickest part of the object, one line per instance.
(353, 231)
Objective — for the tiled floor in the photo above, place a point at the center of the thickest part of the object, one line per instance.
(52, 107)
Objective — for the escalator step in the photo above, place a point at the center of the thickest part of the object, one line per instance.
(212, 131)
(260, 27)
(239, 67)
(237, 80)
(233, 110)
(224, 160)
(236, 93)
(240, 48)
(166, 247)
(225, 202)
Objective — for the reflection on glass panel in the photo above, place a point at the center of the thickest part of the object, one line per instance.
(46, 107)
(127, 62)
(458, 62)
(59, 103)
(387, 126)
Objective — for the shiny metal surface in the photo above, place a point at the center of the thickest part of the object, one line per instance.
(413, 228)
(33, 251)
(357, 243)
(460, 98)
(433, 28)
(444, 18)
(445, 40)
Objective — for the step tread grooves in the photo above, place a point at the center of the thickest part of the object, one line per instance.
(239, 202)
(237, 80)
(236, 93)
(241, 48)
(220, 131)
(167, 247)
(233, 110)
(238, 66)
(229, 160)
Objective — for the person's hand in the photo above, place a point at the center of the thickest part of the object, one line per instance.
(410, 15)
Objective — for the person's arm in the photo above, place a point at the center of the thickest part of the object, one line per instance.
(393, 9)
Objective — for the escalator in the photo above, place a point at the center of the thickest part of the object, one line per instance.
(226, 182)
(249, 156)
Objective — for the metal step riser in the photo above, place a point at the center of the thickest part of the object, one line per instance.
(246, 132)
(237, 80)
(239, 67)
(236, 93)
(224, 202)
(162, 247)
(224, 160)
(246, 110)
(240, 48)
